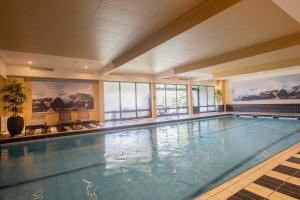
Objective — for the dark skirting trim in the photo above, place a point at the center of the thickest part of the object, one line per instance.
(273, 108)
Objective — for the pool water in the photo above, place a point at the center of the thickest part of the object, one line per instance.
(170, 161)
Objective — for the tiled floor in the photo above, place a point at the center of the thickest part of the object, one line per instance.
(277, 178)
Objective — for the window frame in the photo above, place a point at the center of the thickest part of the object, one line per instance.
(136, 110)
(166, 108)
(207, 106)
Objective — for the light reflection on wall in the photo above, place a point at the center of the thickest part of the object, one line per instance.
(127, 148)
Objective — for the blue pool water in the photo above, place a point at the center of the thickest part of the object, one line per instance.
(171, 161)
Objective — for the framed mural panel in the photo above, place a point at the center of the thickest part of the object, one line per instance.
(49, 95)
(276, 88)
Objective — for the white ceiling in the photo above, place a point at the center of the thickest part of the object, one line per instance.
(266, 74)
(42, 60)
(271, 57)
(243, 25)
(89, 29)
(69, 34)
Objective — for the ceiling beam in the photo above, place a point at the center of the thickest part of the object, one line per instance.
(291, 7)
(204, 11)
(262, 48)
(258, 68)
(104, 71)
(165, 74)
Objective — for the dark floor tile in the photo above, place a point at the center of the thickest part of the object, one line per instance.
(234, 197)
(269, 182)
(285, 170)
(294, 160)
(245, 195)
(297, 175)
(290, 190)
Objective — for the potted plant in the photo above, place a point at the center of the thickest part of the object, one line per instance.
(219, 98)
(14, 98)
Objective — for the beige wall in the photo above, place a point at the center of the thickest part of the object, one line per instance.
(98, 90)
(52, 117)
(2, 69)
(2, 82)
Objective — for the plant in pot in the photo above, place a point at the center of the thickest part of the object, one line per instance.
(219, 98)
(14, 98)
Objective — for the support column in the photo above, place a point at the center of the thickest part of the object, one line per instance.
(101, 101)
(224, 96)
(190, 99)
(153, 100)
(221, 86)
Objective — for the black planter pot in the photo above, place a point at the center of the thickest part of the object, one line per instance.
(15, 125)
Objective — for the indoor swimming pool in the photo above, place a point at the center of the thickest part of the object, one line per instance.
(168, 161)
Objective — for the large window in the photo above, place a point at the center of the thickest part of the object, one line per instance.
(125, 100)
(171, 99)
(203, 98)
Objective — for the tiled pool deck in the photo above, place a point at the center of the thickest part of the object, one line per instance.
(109, 126)
(277, 178)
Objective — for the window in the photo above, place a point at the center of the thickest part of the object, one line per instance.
(128, 103)
(203, 98)
(171, 99)
(160, 96)
(143, 99)
(112, 100)
(125, 100)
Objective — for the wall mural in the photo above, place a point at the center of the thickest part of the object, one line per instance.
(55, 95)
(283, 87)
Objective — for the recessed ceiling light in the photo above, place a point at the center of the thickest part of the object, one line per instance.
(85, 66)
(30, 62)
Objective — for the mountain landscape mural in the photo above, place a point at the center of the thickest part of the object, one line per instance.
(57, 95)
(277, 88)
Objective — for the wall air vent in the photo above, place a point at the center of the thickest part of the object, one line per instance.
(183, 79)
(86, 72)
(48, 69)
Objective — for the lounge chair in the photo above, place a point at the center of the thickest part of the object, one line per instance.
(65, 122)
(84, 119)
(162, 112)
(38, 122)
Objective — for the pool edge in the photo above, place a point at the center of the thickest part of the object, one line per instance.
(244, 179)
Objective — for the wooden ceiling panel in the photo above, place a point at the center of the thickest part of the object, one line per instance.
(15, 40)
(164, 16)
(11, 9)
(58, 19)
(86, 7)
(120, 15)
(102, 24)
(143, 7)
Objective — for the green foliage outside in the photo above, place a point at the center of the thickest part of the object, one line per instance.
(218, 96)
